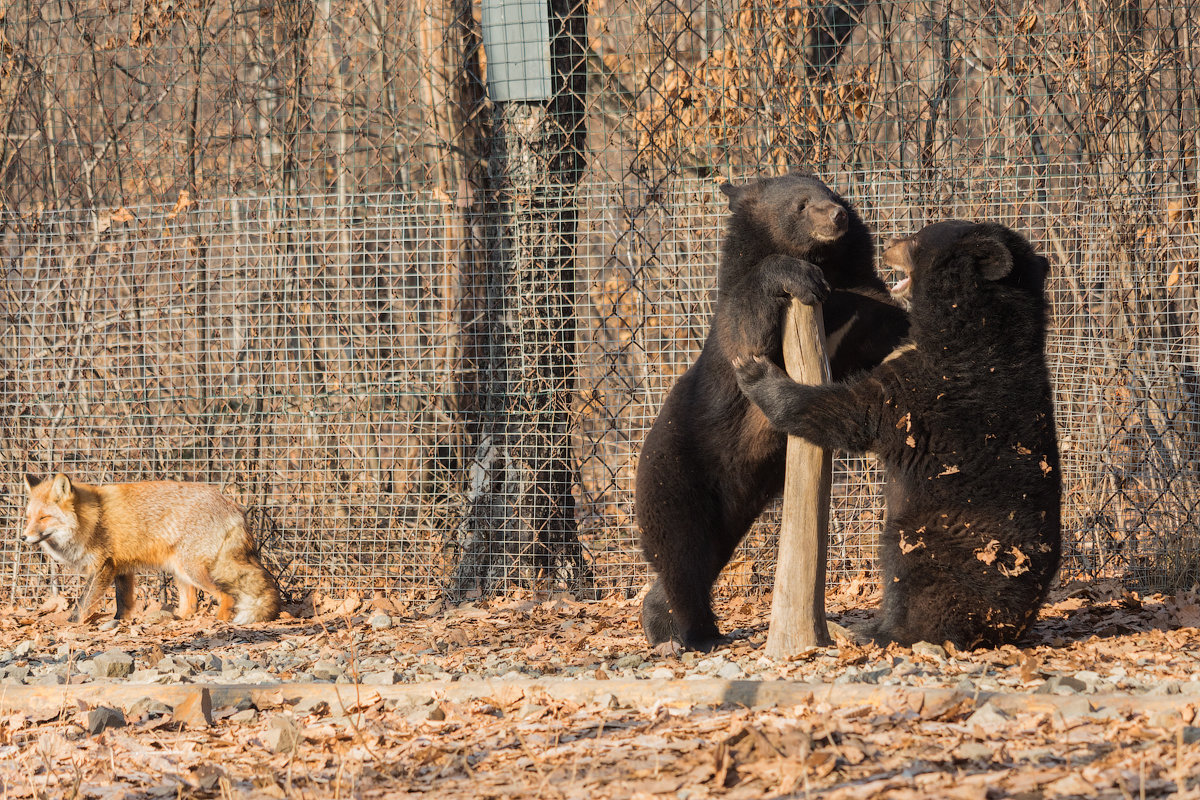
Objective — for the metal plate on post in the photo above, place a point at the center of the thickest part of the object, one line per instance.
(516, 39)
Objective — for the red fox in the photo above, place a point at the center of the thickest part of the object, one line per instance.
(191, 529)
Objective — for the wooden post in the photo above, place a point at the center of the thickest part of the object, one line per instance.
(798, 605)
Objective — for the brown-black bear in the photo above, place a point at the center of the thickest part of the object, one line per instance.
(711, 461)
(964, 425)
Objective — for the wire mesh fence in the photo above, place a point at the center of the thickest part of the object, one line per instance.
(299, 249)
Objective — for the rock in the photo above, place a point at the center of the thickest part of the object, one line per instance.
(1075, 707)
(14, 674)
(310, 705)
(1071, 684)
(213, 663)
(49, 679)
(729, 671)
(150, 707)
(988, 718)
(1061, 684)
(1166, 687)
(874, 676)
(23, 649)
(432, 712)
(158, 617)
(974, 751)
(1190, 734)
(385, 678)
(102, 717)
(176, 666)
(380, 622)
(282, 735)
(631, 661)
(148, 676)
(244, 664)
(112, 664)
(326, 670)
(935, 651)
(848, 676)
(662, 674)
(109, 625)
(244, 717)
(195, 710)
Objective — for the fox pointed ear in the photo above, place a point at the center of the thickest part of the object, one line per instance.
(61, 488)
(32, 480)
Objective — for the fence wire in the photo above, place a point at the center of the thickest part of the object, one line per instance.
(295, 249)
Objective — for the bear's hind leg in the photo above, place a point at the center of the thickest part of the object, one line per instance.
(687, 595)
(656, 615)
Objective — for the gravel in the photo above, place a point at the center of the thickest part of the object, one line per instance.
(516, 639)
(39, 667)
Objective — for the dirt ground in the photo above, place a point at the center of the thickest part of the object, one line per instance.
(545, 697)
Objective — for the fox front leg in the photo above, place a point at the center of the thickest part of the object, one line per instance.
(97, 583)
(189, 602)
(125, 583)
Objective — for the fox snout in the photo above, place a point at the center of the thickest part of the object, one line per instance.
(32, 536)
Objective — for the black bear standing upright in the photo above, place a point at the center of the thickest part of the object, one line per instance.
(964, 426)
(711, 461)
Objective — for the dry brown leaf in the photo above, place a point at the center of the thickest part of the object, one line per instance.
(181, 203)
(987, 553)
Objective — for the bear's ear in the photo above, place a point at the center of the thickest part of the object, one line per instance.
(991, 257)
(733, 193)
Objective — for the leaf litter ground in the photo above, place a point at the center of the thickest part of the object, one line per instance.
(506, 699)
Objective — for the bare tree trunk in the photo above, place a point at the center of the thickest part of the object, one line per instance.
(798, 603)
(522, 526)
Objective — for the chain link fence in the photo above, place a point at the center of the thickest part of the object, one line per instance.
(294, 248)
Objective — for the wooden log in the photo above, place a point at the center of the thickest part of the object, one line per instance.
(798, 604)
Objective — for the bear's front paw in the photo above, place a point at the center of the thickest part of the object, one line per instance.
(809, 286)
(751, 371)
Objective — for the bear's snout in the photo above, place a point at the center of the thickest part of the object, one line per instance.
(829, 220)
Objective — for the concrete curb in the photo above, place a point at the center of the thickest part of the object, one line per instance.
(621, 692)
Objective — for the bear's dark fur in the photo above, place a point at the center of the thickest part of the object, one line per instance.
(964, 426)
(711, 461)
